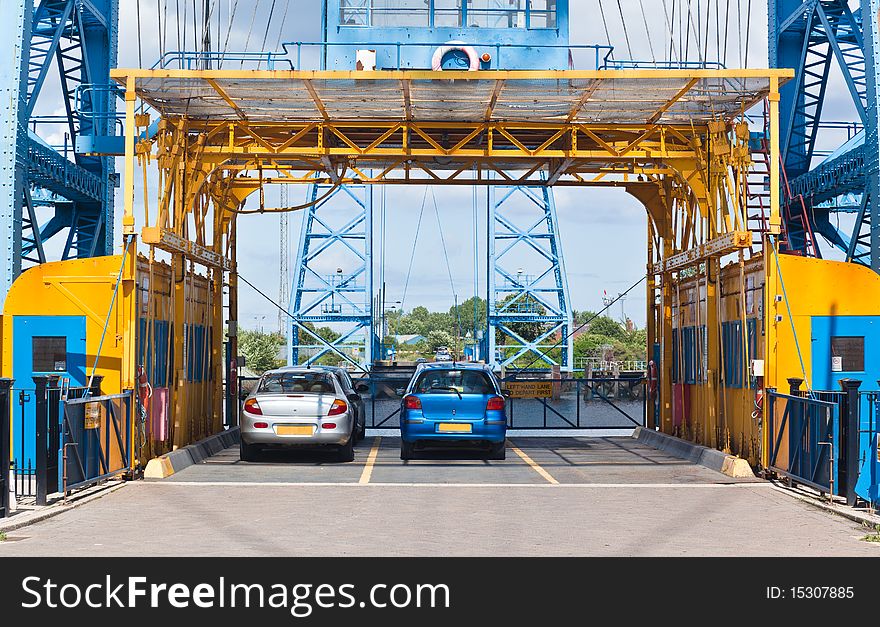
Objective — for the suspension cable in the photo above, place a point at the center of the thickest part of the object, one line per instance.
(109, 313)
(413, 255)
(266, 34)
(790, 317)
(140, 47)
(281, 27)
(625, 32)
(647, 31)
(669, 33)
(443, 243)
(604, 22)
(247, 40)
(558, 344)
(304, 328)
(748, 32)
(228, 32)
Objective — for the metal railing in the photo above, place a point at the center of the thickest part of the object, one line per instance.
(598, 403)
(5, 440)
(803, 435)
(97, 439)
(315, 51)
(636, 64)
(596, 363)
(195, 60)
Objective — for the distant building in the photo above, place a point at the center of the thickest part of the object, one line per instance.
(408, 340)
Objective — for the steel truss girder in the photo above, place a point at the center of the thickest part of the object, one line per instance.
(543, 293)
(350, 295)
(409, 144)
(79, 37)
(809, 35)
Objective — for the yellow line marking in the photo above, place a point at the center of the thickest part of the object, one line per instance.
(535, 465)
(371, 461)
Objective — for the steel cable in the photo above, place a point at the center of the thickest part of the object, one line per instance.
(413, 254)
(625, 32)
(647, 31)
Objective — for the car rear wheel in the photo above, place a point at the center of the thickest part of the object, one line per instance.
(248, 452)
(498, 451)
(362, 430)
(406, 450)
(346, 451)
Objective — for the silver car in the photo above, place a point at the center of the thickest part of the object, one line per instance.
(297, 407)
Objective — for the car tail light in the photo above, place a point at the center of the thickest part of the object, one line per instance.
(496, 403)
(261, 425)
(251, 406)
(412, 402)
(339, 407)
(328, 425)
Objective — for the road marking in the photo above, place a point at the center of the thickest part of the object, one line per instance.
(535, 466)
(371, 460)
(402, 484)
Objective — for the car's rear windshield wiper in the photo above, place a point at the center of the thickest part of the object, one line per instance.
(447, 388)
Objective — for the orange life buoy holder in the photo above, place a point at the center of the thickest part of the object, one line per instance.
(450, 46)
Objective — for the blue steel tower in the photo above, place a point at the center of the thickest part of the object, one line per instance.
(815, 37)
(406, 34)
(50, 184)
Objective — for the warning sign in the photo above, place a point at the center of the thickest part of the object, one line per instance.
(530, 389)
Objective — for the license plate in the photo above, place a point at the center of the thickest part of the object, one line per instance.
(294, 429)
(448, 427)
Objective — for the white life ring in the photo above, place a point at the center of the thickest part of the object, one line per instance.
(449, 46)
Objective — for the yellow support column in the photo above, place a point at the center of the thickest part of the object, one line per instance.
(775, 184)
(713, 361)
(770, 274)
(128, 189)
(666, 389)
(128, 301)
(216, 379)
(651, 323)
(180, 433)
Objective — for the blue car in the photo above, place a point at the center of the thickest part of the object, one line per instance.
(453, 403)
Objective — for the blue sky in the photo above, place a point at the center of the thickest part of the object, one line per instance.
(602, 231)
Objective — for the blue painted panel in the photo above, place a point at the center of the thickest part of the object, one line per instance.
(826, 327)
(154, 354)
(24, 329)
(823, 329)
(487, 32)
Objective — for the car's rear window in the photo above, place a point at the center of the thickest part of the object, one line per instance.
(297, 383)
(463, 381)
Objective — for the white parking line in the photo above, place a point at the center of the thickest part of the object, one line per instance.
(306, 484)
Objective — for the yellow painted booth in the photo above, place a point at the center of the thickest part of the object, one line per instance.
(112, 320)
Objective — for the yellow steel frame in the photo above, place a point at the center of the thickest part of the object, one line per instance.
(690, 174)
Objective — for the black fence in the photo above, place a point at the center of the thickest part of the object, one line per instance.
(97, 439)
(58, 432)
(618, 403)
(803, 436)
(5, 440)
(822, 438)
(597, 403)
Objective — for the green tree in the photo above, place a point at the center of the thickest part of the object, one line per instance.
(466, 312)
(603, 325)
(439, 338)
(260, 349)
(581, 317)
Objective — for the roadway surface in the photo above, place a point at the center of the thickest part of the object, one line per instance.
(551, 496)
